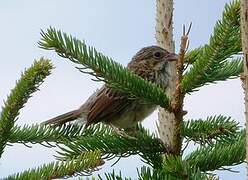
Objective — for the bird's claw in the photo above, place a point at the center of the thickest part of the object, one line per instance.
(121, 132)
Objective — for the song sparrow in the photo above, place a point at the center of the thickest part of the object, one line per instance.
(116, 108)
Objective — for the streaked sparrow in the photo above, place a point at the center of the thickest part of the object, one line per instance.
(116, 108)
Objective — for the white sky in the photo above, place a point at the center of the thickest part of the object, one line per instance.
(116, 28)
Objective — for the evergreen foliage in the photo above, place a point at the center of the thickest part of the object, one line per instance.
(102, 68)
(112, 145)
(215, 157)
(221, 140)
(187, 172)
(83, 165)
(28, 84)
(112, 176)
(46, 135)
(214, 128)
(210, 62)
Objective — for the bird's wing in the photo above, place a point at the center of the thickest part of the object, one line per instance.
(108, 104)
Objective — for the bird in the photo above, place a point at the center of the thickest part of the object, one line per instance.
(114, 107)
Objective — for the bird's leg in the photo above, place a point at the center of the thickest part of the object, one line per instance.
(120, 132)
(133, 131)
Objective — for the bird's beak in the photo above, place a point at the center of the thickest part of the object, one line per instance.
(171, 57)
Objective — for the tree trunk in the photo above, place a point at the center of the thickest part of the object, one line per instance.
(167, 127)
(244, 34)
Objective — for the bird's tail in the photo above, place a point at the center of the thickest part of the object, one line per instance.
(80, 115)
(64, 118)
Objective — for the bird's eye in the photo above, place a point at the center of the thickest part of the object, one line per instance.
(157, 54)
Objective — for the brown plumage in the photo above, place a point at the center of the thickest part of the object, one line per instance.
(113, 107)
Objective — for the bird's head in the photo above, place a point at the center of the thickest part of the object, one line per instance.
(152, 63)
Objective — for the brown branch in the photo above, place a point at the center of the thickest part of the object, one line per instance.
(177, 104)
(179, 96)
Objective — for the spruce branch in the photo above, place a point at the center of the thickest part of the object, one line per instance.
(216, 128)
(213, 129)
(112, 176)
(229, 70)
(28, 83)
(94, 137)
(97, 137)
(177, 169)
(192, 55)
(147, 173)
(111, 145)
(83, 165)
(211, 158)
(224, 43)
(45, 135)
(103, 68)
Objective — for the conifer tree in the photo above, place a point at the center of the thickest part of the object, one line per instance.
(220, 140)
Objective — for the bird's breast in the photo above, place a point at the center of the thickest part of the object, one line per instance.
(133, 115)
(162, 78)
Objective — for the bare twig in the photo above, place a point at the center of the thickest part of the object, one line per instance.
(229, 169)
(186, 145)
(177, 104)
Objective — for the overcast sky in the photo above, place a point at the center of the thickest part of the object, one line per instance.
(116, 28)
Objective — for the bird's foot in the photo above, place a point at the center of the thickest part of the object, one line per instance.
(121, 132)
